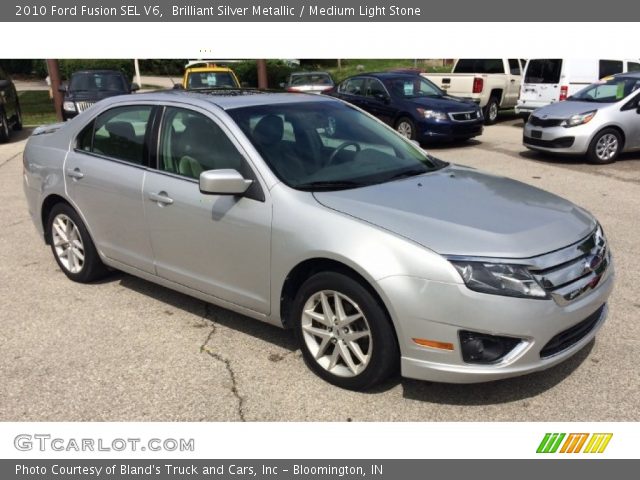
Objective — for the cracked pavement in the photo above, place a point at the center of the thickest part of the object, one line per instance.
(124, 349)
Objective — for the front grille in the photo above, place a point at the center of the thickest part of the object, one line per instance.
(569, 273)
(544, 122)
(562, 142)
(571, 336)
(82, 106)
(465, 116)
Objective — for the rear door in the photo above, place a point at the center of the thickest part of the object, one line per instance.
(514, 76)
(216, 244)
(378, 102)
(352, 90)
(104, 174)
(630, 119)
(542, 81)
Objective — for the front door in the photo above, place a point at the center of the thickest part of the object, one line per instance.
(216, 244)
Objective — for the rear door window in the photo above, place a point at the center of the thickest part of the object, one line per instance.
(514, 66)
(353, 86)
(609, 67)
(479, 65)
(633, 67)
(120, 133)
(375, 87)
(543, 71)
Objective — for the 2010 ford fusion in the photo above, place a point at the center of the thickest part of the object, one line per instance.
(308, 213)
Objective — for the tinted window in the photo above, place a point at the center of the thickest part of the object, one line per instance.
(310, 79)
(477, 65)
(211, 80)
(375, 87)
(610, 67)
(514, 66)
(191, 143)
(353, 86)
(328, 145)
(95, 81)
(610, 91)
(543, 71)
(120, 132)
(633, 67)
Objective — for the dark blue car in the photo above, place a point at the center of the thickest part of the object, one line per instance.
(412, 105)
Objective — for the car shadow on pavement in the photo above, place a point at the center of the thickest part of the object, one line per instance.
(496, 392)
(20, 135)
(208, 312)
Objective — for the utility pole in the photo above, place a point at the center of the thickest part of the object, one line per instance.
(262, 74)
(136, 66)
(54, 77)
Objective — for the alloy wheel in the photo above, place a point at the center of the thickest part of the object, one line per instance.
(405, 129)
(493, 112)
(67, 243)
(607, 147)
(336, 333)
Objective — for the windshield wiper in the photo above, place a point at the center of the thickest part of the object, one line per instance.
(330, 185)
(406, 173)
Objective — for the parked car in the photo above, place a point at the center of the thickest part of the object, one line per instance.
(412, 105)
(550, 80)
(87, 87)
(600, 121)
(200, 74)
(10, 113)
(304, 212)
(309, 82)
(492, 83)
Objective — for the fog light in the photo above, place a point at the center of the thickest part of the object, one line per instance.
(483, 348)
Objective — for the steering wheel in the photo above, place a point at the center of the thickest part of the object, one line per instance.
(341, 147)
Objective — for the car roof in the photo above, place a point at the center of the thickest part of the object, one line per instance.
(226, 99)
(97, 70)
(387, 75)
(628, 75)
(315, 72)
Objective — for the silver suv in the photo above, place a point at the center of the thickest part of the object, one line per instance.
(307, 213)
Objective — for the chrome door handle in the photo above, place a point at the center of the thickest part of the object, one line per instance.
(76, 174)
(161, 197)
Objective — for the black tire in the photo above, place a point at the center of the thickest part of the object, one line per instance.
(490, 111)
(406, 122)
(594, 153)
(381, 347)
(525, 117)
(17, 126)
(4, 127)
(92, 267)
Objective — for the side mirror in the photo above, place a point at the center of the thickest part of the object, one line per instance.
(134, 87)
(4, 84)
(62, 88)
(223, 182)
(178, 86)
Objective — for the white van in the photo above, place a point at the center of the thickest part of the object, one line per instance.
(549, 80)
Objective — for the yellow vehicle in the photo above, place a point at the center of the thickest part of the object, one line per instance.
(204, 74)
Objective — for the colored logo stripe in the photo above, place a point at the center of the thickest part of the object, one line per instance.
(596, 443)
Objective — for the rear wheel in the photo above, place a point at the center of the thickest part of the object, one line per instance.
(406, 128)
(605, 147)
(18, 125)
(72, 246)
(345, 335)
(491, 111)
(4, 128)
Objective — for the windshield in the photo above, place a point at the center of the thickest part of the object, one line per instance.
(97, 81)
(412, 87)
(311, 79)
(329, 145)
(211, 80)
(609, 90)
(479, 65)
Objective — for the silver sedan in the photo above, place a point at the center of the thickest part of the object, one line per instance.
(307, 213)
(599, 122)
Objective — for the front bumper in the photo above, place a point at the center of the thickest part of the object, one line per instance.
(438, 311)
(448, 130)
(574, 140)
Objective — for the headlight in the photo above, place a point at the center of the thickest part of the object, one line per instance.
(432, 114)
(69, 106)
(499, 279)
(579, 119)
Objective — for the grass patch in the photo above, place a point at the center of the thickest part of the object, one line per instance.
(37, 108)
(350, 67)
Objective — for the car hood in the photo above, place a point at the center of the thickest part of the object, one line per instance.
(460, 211)
(445, 103)
(567, 108)
(92, 96)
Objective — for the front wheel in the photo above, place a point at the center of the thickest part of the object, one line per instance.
(345, 335)
(4, 128)
(605, 147)
(72, 246)
(18, 125)
(406, 128)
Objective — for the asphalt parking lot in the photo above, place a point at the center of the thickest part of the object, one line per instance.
(127, 350)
